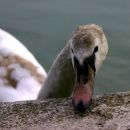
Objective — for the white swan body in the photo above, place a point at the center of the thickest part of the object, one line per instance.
(74, 69)
(21, 76)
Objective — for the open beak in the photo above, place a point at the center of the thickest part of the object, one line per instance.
(83, 91)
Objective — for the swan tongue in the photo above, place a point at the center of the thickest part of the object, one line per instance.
(82, 96)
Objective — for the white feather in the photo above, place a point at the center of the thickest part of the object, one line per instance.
(27, 85)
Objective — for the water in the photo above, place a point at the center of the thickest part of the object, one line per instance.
(44, 26)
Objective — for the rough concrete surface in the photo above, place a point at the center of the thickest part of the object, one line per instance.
(107, 112)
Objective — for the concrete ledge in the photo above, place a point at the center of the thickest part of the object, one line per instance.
(107, 112)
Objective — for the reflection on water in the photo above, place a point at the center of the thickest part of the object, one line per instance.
(44, 26)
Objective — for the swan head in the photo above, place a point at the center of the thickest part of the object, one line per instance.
(88, 48)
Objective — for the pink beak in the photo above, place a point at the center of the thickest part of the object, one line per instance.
(82, 96)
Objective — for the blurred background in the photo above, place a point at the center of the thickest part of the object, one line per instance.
(44, 26)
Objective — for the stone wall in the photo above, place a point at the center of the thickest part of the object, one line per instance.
(107, 112)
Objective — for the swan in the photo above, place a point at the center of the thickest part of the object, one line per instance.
(74, 69)
(21, 76)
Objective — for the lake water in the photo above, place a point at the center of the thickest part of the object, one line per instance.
(44, 26)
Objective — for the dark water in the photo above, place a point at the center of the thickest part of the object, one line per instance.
(44, 26)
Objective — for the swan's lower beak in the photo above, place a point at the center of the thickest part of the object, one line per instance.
(82, 94)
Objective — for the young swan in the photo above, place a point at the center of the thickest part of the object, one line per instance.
(21, 76)
(75, 67)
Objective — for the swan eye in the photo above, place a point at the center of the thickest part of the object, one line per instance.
(72, 50)
(95, 49)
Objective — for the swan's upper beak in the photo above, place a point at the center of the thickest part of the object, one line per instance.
(83, 90)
